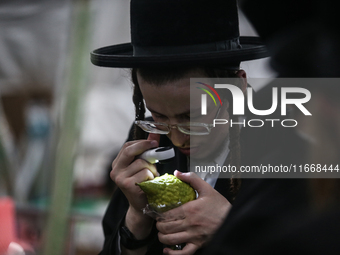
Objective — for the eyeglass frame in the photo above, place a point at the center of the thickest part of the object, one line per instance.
(177, 126)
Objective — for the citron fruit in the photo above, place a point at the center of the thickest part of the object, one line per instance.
(167, 192)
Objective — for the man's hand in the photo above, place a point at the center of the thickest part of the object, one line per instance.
(126, 172)
(195, 222)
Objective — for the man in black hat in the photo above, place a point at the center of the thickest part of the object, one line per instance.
(173, 41)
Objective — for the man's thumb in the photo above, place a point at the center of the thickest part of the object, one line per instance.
(191, 178)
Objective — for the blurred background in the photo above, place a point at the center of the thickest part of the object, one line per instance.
(62, 120)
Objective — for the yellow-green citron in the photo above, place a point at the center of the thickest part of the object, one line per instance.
(167, 192)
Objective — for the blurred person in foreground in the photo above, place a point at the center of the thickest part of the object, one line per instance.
(303, 39)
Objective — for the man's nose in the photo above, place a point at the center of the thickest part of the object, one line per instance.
(178, 138)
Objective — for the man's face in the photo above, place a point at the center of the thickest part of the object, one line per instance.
(170, 103)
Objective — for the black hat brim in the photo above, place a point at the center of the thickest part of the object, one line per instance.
(121, 56)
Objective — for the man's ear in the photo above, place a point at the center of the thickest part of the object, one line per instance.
(243, 75)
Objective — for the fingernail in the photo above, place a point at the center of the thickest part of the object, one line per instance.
(154, 143)
(177, 173)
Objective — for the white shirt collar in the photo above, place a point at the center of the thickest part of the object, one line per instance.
(219, 160)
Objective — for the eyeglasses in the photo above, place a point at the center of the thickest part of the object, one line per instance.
(190, 128)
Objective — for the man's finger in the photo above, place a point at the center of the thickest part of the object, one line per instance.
(196, 182)
(171, 226)
(175, 238)
(130, 151)
(140, 164)
(176, 214)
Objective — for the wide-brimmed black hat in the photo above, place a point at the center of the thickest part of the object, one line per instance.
(179, 33)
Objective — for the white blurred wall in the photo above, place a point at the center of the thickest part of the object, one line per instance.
(108, 108)
(33, 43)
